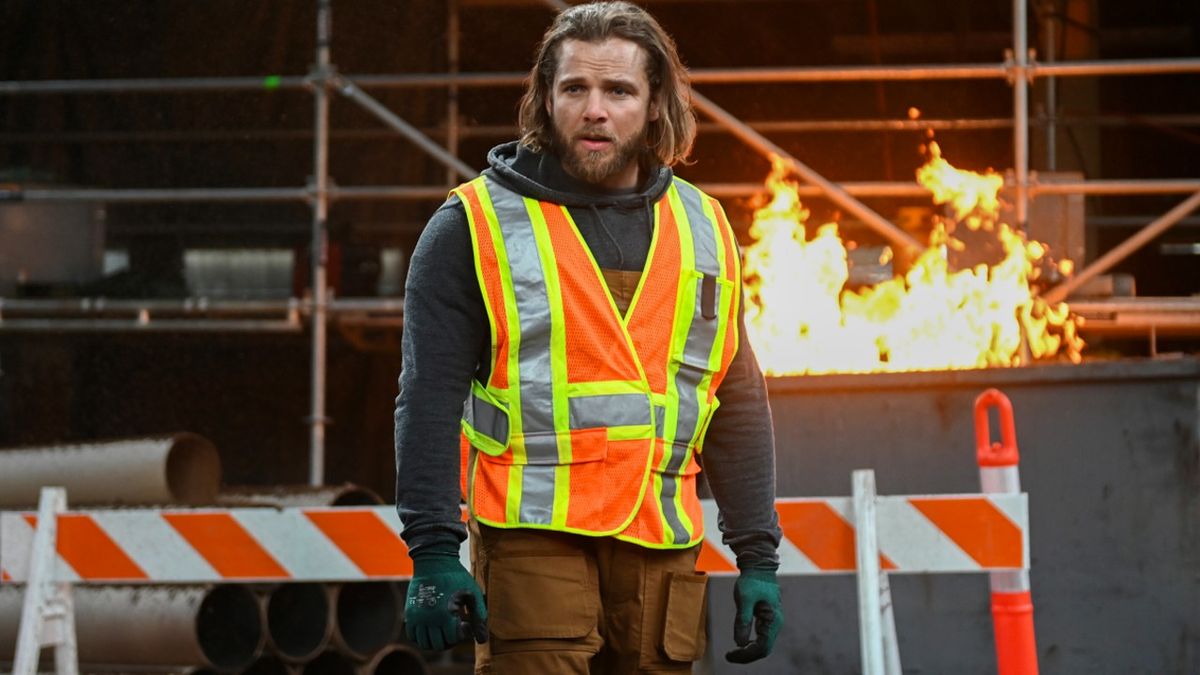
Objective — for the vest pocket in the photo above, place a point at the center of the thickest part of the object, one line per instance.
(485, 421)
(550, 448)
(710, 294)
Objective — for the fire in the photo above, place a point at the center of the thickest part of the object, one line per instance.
(802, 319)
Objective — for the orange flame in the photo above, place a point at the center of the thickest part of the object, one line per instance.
(802, 319)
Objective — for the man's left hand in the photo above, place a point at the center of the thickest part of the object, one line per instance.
(756, 594)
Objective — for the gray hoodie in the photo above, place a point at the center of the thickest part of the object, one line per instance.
(446, 345)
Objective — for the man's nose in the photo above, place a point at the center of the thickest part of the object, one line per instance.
(595, 110)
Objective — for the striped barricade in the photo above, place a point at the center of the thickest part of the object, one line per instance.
(928, 533)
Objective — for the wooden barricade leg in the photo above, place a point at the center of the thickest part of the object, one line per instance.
(48, 612)
(876, 621)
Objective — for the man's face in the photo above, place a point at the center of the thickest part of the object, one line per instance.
(600, 103)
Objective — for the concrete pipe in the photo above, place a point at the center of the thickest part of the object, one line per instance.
(270, 664)
(179, 469)
(293, 496)
(369, 616)
(218, 627)
(329, 662)
(298, 620)
(396, 660)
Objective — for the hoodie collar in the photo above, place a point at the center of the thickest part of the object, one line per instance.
(542, 177)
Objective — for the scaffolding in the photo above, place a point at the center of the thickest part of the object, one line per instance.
(1020, 68)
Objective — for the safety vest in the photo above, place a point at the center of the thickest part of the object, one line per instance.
(591, 422)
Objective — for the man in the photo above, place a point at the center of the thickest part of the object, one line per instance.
(585, 304)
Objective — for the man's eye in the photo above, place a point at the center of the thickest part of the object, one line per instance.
(620, 91)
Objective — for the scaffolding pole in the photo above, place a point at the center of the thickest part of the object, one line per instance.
(1149, 186)
(1019, 69)
(401, 126)
(453, 35)
(320, 245)
(1124, 249)
(777, 75)
(510, 130)
(900, 238)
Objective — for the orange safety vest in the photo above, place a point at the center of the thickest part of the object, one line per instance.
(590, 422)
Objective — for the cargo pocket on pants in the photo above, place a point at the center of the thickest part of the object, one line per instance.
(683, 637)
(540, 597)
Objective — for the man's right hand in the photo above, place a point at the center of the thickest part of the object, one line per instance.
(444, 604)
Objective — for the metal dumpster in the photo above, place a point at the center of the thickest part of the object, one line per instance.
(1110, 457)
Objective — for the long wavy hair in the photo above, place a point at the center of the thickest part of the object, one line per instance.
(670, 137)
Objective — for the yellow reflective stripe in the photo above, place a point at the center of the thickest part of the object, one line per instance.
(472, 225)
(614, 532)
(558, 362)
(661, 546)
(632, 432)
(513, 502)
(606, 387)
(734, 275)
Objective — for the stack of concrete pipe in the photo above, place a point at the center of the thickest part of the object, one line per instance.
(287, 628)
(234, 628)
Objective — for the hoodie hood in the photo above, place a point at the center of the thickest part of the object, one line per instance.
(542, 177)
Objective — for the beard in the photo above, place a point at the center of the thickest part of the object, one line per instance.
(598, 166)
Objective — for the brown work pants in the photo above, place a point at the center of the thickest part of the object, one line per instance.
(564, 603)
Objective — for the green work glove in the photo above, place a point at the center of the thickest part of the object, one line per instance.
(756, 594)
(444, 604)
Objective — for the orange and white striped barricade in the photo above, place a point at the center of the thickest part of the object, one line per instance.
(1012, 600)
(203, 545)
(914, 534)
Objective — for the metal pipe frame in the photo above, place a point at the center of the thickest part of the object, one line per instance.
(1131, 186)
(705, 76)
(1020, 69)
(1124, 249)
(320, 244)
(1019, 80)
(765, 147)
(352, 91)
(195, 306)
(510, 130)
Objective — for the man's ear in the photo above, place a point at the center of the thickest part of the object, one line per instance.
(653, 116)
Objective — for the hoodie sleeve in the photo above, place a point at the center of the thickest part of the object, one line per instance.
(445, 332)
(739, 461)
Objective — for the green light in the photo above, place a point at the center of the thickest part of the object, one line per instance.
(272, 82)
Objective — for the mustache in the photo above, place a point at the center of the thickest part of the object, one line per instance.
(594, 135)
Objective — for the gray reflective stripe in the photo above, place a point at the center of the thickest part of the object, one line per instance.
(698, 347)
(536, 382)
(537, 494)
(660, 419)
(486, 419)
(537, 479)
(703, 332)
(541, 448)
(704, 241)
(609, 410)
